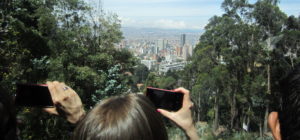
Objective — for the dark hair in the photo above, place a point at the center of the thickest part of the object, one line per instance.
(126, 117)
(7, 117)
(289, 114)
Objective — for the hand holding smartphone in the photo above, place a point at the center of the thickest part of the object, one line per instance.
(33, 95)
(55, 97)
(165, 99)
(183, 117)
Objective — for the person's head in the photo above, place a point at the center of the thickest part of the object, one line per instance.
(7, 117)
(127, 117)
(285, 124)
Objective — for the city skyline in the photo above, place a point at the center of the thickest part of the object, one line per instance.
(174, 14)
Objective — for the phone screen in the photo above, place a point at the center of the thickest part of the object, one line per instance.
(165, 99)
(33, 95)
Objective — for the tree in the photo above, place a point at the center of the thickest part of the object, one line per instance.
(58, 40)
(232, 63)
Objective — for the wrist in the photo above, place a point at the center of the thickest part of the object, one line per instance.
(77, 117)
(191, 133)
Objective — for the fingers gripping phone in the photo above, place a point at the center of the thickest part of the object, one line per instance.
(165, 99)
(33, 95)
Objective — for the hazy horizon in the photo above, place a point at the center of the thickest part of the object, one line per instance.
(173, 14)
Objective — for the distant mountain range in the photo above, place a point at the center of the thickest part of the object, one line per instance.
(149, 30)
(156, 33)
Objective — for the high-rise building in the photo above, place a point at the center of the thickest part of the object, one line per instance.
(182, 40)
(191, 48)
(178, 51)
(161, 44)
(165, 44)
(154, 49)
(187, 51)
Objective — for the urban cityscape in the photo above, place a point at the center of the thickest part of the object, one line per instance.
(162, 50)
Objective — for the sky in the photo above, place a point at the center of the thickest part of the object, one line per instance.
(175, 14)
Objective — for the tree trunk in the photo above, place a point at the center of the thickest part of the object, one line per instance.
(216, 108)
(292, 60)
(233, 111)
(248, 123)
(248, 120)
(237, 120)
(245, 123)
(198, 108)
(260, 129)
(266, 119)
(269, 79)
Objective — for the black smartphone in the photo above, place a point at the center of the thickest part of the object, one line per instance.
(165, 99)
(33, 95)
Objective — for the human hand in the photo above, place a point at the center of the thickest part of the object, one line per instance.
(183, 117)
(66, 101)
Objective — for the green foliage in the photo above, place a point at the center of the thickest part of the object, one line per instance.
(237, 65)
(206, 133)
(140, 73)
(234, 69)
(152, 80)
(139, 77)
(113, 85)
(167, 81)
(65, 41)
(243, 136)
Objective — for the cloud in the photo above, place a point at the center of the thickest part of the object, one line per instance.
(161, 11)
(173, 24)
(129, 2)
(127, 21)
(167, 14)
(158, 23)
(177, 14)
(169, 24)
(141, 1)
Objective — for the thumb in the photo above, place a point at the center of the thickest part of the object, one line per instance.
(51, 111)
(165, 113)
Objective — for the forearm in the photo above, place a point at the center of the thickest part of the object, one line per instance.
(75, 117)
(191, 133)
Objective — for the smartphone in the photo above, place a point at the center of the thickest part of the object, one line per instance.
(33, 95)
(165, 99)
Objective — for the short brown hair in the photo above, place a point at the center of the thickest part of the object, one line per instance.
(126, 117)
